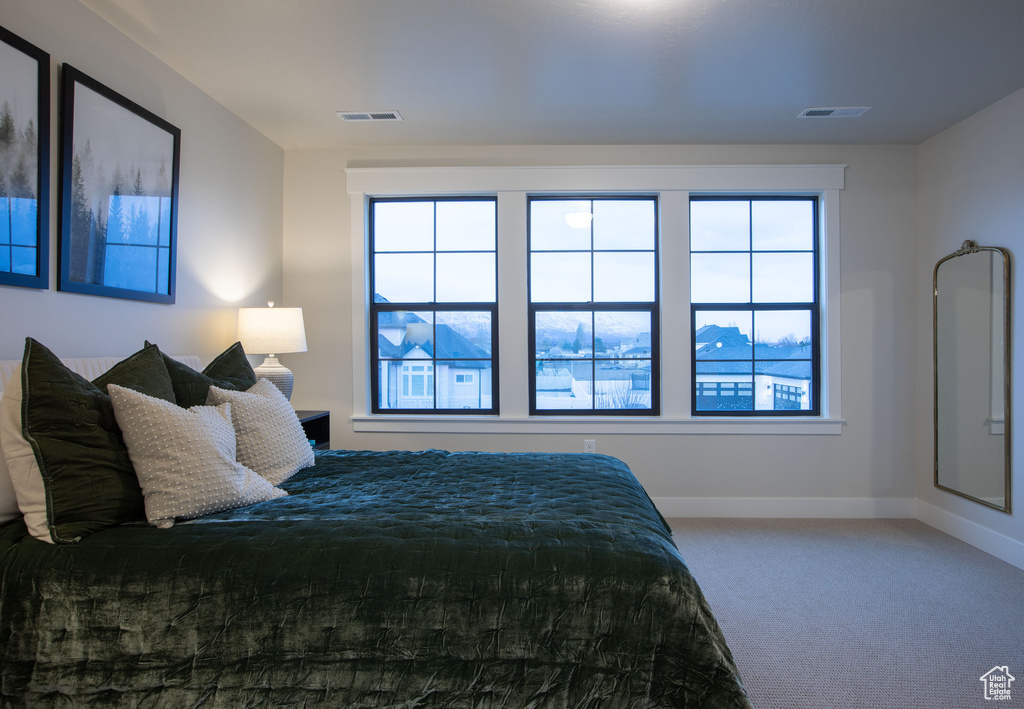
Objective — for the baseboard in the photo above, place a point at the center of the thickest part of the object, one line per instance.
(782, 507)
(994, 543)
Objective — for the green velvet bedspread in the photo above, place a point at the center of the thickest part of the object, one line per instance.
(398, 579)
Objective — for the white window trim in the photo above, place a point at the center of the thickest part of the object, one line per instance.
(673, 185)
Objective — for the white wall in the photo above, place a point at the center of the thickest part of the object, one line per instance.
(229, 212)
(971, 187)
(866, 470)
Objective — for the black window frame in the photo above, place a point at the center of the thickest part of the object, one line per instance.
(434, 307)
(813, 307)
(593, 307)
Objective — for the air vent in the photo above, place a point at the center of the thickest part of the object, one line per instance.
(370, 115)
(834, 112)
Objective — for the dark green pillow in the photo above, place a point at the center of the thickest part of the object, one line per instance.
(69, 421)
(229, 370)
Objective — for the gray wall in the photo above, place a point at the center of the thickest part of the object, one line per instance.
(971, 187)
(229, 214)
(873, 459)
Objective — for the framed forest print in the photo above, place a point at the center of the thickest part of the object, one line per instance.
(24, 163)
(119, 194)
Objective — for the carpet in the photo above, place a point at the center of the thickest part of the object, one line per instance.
(859, 613)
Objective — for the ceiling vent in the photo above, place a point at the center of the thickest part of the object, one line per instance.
(834, 112)
(370, 115)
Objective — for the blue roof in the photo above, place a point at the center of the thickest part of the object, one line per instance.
(397, 318)
(730, 336)
(447, 344)
(789, 362)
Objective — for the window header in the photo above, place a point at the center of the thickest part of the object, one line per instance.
(748, 179)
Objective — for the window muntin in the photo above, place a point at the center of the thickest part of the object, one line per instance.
(18, 235)
(593, 310)
(754, 306)
(434, 310)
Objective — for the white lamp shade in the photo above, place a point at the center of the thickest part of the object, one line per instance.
(271, 330)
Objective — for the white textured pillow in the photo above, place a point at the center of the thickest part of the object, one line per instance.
(26, 479)
(270, 437)
(185, 458)
(8, 498)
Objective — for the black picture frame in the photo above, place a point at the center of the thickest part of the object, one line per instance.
(24, 163)
(118, 193)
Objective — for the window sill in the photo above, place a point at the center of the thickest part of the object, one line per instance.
(597, 424)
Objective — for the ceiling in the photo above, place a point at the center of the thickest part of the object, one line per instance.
(539, 72)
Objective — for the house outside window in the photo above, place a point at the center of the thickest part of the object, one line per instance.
(434, 311)
(754, 306)
(593, 305)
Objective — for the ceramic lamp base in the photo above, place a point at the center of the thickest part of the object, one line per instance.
(277, 374)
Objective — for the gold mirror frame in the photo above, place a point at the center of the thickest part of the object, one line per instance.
(991, 422)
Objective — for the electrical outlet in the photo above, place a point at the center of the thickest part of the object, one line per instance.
(589, 446)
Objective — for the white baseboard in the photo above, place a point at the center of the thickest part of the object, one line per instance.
(796, 507)
(989, 541)
(994, 543)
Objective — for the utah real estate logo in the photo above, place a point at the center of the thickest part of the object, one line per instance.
(997, 683)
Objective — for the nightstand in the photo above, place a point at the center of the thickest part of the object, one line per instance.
(317, 425)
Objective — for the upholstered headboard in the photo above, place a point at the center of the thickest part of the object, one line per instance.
(88, 367)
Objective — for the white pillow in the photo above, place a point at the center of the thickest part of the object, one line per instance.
(185, 458)
(270, 437)
(8, 498)
(21, 462)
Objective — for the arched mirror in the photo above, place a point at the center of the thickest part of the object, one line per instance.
(972, 374)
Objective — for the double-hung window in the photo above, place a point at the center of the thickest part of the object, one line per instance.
(754, 306)
(593, 305)
(652, 300)
(434, 309)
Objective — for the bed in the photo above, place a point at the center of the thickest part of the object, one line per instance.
(382, 579)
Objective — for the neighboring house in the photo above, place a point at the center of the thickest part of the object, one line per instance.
(726, 377)
(637, 348)
(567, 384)
(392, 325)
(618, 377)
(416, 357)
(781, 380)
(714, 334)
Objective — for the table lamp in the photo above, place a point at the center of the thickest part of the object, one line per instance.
(272, 331)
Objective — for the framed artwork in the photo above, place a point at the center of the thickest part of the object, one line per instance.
(119, 194)
(24, 163)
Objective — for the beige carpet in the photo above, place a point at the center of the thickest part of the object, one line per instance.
(858, 614)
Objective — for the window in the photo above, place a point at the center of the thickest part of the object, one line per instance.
(754, 306)
(434, 310)
(545, 309)
(593, 305)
